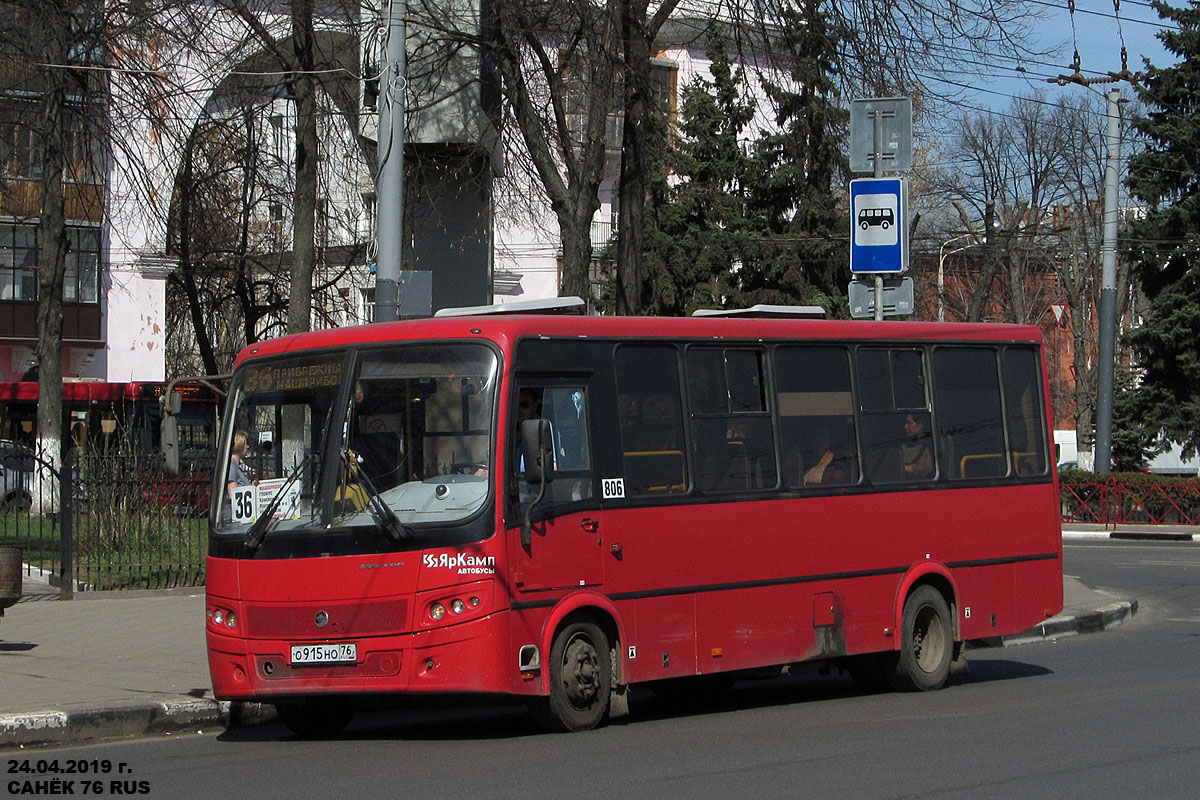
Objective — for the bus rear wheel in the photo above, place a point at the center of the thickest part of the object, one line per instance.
(580, 680)
(926, 643)
(316, 717)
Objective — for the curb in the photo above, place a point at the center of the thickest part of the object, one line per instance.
(1130, 535)
(85, 726)
(1068, 625)
(1153, 537)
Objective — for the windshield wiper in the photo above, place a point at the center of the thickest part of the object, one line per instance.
(391, 523)
(258, 531)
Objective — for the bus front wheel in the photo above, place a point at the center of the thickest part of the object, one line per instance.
(926, 644)
(580, 680)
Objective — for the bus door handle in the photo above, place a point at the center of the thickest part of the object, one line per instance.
(590, 525)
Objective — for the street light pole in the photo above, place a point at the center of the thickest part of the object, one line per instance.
(389, 183)
(941, 273)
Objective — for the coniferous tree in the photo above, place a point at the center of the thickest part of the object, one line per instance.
(696, 217)
(1166, 241)
(797, 252)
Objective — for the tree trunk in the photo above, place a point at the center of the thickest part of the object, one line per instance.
(575, 230)
(638, 35)
(632, 189)
(304, 203)
(52, 260)
(186, 274)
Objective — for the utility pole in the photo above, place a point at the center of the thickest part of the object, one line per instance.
(1108, 259)
(1108, 288)
(389, 180)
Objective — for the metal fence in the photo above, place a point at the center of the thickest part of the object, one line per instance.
(1113, 501)
(118, 521)
(105, 521)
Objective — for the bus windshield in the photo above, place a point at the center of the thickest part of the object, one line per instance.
(394, 439)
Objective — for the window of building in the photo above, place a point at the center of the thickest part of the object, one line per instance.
(366, 309)
(18, 262)
(20, 149)
(20, 249)
(81, 282)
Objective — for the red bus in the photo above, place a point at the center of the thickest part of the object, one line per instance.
(114, 416)
(560, 507)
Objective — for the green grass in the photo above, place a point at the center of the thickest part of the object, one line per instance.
(116, 548)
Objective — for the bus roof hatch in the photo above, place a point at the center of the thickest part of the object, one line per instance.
(764, 310)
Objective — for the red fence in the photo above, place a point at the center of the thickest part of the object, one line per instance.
(1114, 501)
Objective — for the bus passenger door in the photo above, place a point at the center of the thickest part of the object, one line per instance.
(565, 543)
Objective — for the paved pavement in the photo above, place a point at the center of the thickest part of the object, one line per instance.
(109, 665)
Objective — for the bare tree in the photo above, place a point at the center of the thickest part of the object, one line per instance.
(559, 63)
(71, 62)
(1027, 187)
(233, 196)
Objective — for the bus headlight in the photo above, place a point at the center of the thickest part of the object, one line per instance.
(437, 611)
(458, 606)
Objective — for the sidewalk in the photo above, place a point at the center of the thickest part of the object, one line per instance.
(105, 665)
(110, 665)
(1132, 531)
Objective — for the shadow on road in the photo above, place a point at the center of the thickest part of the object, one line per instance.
(475, 719)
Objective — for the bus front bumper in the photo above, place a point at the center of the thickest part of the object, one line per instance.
(466, 657)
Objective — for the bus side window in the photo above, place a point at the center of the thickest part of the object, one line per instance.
(650, 416)
(970, 432)
(816, 416)
(896, 422)
(1024, 412)
(566, 407)
(731, 422)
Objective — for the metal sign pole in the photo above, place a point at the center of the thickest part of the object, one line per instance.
(878, 166)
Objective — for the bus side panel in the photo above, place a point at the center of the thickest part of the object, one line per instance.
(665, 630)
(741, 629)
(986, 602)
(1039, 592)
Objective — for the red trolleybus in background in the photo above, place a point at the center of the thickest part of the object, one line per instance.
(559, 507)
(123, 417)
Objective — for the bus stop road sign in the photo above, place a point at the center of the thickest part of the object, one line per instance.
(878, 229)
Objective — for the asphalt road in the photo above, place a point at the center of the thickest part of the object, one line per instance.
(1101, 715)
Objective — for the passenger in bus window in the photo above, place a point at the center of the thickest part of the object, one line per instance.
(828, 467)
(239, 473)
(915, 450)
(529, 406)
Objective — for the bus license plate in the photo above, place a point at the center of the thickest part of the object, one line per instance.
(340, 653)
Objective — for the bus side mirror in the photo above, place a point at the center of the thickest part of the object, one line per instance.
(537, 447)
